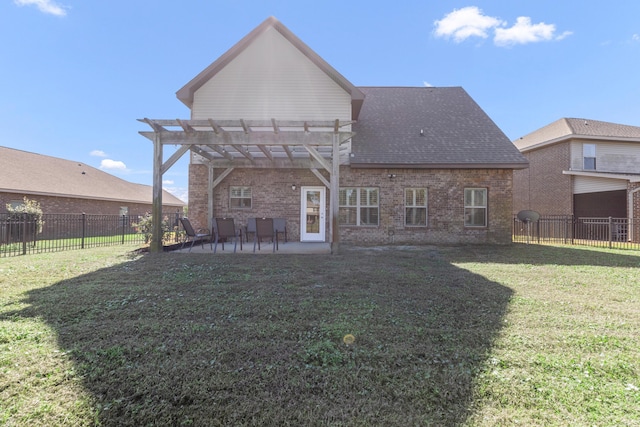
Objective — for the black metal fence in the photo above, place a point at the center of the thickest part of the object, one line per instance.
(567, 229)
(22, 235)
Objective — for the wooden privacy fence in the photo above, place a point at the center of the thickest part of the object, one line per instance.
(22, 235)
(567, 229)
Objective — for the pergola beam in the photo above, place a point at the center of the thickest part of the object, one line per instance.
(208, 137)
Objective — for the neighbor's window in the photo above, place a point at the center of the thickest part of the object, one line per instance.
(475, 207)
(240, 197)
(124, 210)
(358, 206)
(415, 206)
(15, 203)
(589, 156)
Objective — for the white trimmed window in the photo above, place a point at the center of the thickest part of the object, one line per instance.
(240, 197)
(415, 207)
(358, 206)
(589, 156)
(475, 207)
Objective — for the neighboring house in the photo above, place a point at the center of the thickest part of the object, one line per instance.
(64, 186)
(580, 167)
(275, 131)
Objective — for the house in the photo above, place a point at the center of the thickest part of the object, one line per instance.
(275, 131)
(580, 167)
(65, 186)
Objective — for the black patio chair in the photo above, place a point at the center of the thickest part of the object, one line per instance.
(280, 226)
(250, 228)
(191, 234)
(224, 229)
(265, 229)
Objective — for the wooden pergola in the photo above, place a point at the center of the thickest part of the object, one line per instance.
(231, 144)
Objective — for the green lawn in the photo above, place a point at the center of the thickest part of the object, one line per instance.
(453, 336)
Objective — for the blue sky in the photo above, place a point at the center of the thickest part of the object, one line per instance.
(75, 75)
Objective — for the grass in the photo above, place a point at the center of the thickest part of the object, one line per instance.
(478, 336)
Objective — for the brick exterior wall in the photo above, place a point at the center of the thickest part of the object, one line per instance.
(272, 196)
(542, 187)
(62, 205)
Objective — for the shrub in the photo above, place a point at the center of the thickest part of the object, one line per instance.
(145, 226)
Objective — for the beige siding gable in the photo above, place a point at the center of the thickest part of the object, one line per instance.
(271, 78)
(614, 157)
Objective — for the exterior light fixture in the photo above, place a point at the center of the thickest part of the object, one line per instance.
(293, 187)
(391, 175)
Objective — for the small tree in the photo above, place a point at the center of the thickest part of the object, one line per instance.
(29, 210)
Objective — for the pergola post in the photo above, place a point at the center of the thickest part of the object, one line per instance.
(333, 194)
(210, 197)
(156, 209)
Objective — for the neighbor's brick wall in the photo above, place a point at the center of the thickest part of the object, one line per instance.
(542, 187)
(69, 205)
(273, 197)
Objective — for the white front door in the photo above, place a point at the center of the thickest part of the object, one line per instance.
(312, 212)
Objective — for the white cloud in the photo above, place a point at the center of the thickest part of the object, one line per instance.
(524, 32)
(470, 21)
(181, 193)
(466, 22)
(112, 164)
(427, 84)
(45, 6)
(167, 182)
(98, 153)
(636, 37)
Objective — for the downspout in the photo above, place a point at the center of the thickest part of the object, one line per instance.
(630, 213)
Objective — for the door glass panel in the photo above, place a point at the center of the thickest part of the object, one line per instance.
(313, 212)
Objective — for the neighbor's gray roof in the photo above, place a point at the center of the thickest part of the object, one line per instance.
(567, 128)
(31, 173)
(456, 132)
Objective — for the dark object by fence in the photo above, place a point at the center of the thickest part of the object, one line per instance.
(528, 217)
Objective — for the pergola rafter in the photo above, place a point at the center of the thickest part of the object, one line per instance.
(230, 144)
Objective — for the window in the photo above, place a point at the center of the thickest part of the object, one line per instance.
(124, 210)
(16, 203)
(358, 206)
(415, 206)
(475, 207)
(240, 197)
(589, 156)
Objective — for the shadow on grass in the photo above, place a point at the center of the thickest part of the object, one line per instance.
(520, 253)
(174, 339)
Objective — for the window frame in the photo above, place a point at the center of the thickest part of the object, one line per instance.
(416, 206)
(242, 196)
(471, 205)
(359, 206)
(588, 148)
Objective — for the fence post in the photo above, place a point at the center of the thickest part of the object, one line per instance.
(124, 219)
(24, 234)
(84, 224)
(610, 232)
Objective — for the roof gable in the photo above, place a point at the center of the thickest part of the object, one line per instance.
(568, 128)
(187, 92)
(428, 127)
(31, 173)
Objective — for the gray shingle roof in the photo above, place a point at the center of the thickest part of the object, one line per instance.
(31, 173)
(566, 128)
(456, 132)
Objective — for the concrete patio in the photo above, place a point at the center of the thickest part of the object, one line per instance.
(265, 248)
